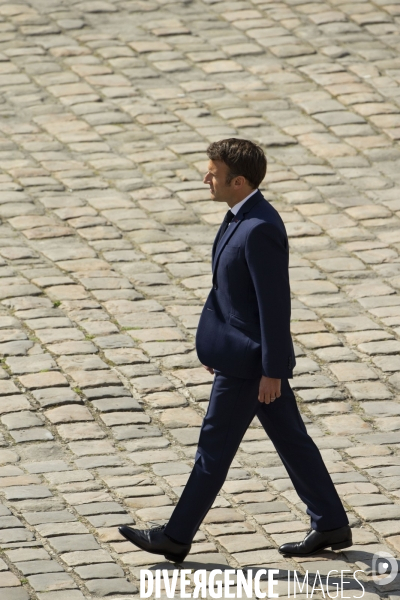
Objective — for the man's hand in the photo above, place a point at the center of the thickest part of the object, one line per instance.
(209, 369)
(270, 389)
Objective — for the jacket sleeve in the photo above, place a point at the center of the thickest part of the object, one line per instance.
(267, 256)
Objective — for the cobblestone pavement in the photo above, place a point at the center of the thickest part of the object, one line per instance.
(106, 109)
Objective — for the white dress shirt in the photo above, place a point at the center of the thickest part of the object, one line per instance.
(235, 209)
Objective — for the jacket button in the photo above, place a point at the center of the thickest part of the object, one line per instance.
(215, 286)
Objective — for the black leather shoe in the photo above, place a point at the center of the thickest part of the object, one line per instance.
(157, 542)
(337, 539)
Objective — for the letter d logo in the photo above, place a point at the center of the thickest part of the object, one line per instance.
(384, 563)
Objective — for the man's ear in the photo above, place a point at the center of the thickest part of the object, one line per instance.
(239, 181)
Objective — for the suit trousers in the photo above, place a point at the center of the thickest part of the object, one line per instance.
(233, 405)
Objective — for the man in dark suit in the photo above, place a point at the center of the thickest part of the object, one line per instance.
(244, 339)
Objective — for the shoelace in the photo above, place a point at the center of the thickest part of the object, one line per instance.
(158, 528)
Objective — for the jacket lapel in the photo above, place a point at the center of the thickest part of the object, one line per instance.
(214, 248)
(234, 224)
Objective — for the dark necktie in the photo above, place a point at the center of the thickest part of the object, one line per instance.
(228, 218)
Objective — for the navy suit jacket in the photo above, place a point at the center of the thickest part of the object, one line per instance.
(244, 329)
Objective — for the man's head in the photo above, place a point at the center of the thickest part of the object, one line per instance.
(235, 169)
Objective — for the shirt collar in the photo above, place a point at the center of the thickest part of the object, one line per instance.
(235, 209)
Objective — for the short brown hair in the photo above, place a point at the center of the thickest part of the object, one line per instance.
(242, 157)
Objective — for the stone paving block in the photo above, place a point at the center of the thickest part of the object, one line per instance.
(51, 581)
(346, 324)
(61, 477)
(222, 515)
(15, 348)
(346, 424)
(311, 381)
(88, 379)
(395, 381)
(43, 380)
(370, 390)
(77, 363)
(258, 508)
(35, 518)
(8, 387)
(10, 404)
(26, 491)
(86, 557)
(61, 595)
(318, 340)
(33, 434)
(101, 507)
(48, 336)
(352, 371)
(15, 593)
(31, 364)
(21, 420)
(27, 554)
(100, 571)
(68, 543)
(244, 542)
(256, 557)
(181, 417)
(106, 392)
(34, 567)
(152, 383)
(138, 370)
(89, 448)
(125, 418)
(123, 356)
(387, 363)
(42, 452)
(109, 520)
(9, 537)
(75, 496)
(8, 456)
(386, 528)
(187, 436)
(80, 431)
(193, 376)
(137, 559)
(335, 354)
(10, 522)
(145, 320)
(154, 457)
(165, 399)
(107, 405)
(107, 587)
(50, 530)
(381, 408)
(68, 413)
(378, 512)
(8, 579)
(156, 349)
(136, 431)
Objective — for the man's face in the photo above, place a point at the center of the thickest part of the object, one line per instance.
(216, 177)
